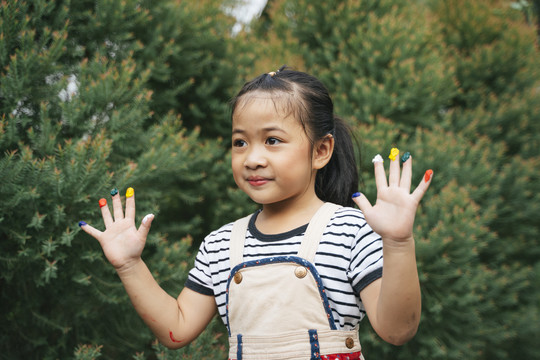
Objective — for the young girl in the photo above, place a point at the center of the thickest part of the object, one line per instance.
(293, 280)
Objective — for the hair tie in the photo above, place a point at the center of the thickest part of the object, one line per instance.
(272, 73)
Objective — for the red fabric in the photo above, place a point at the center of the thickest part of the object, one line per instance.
(352, 356)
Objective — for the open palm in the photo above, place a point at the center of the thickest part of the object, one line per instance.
(121, 241)
(393, 214)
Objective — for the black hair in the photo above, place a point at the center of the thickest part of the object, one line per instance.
(309, 101)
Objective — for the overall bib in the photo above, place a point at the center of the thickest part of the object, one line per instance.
(277, 307)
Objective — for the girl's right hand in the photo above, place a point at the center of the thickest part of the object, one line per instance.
(121, 242)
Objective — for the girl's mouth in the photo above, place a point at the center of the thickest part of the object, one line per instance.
(257, 181)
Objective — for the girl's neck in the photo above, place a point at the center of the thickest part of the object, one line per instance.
(287, 215)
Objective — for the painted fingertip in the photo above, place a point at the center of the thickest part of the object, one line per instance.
(82, 223)
(114, 191)
(428, 175)
(356, 194)
(147, 218)
(102, 202)
(130, 192)
(377, 159)
(393, 154)
(405, 156)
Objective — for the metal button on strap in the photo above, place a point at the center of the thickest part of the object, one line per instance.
(300, 272)
(349, 343)
(238, 277)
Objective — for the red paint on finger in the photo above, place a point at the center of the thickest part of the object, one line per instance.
(427, 175)
(172, 338)
(102, 203)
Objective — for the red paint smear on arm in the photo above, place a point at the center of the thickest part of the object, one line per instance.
(172, 337)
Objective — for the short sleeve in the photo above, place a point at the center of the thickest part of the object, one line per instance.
(366, 257)
(199, 277)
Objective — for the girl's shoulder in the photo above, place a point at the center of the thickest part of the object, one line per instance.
(349, 221)
(350, 215)
(223, 233)
(219, 235)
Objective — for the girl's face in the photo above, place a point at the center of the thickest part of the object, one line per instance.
(271, 153)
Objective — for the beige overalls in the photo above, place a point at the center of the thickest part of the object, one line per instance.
(277, 307)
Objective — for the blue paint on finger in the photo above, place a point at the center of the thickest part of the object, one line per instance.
(356, 194)
(405, 156)
(82, 223)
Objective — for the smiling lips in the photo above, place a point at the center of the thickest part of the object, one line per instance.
(257, 180)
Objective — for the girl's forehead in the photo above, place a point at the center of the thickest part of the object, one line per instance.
(272, 100)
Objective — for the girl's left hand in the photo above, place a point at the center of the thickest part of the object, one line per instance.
(392, 216)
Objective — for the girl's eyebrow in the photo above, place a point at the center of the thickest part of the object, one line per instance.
(266, 129)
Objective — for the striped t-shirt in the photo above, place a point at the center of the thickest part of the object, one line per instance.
(348, 259)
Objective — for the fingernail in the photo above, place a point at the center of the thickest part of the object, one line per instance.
(146, 218)
(377, 158)
(405, 156)
(102, 202)
(427, 175)
(114, 191)
(129, 192)
(82, 223)
(393, 153)
(356, 194)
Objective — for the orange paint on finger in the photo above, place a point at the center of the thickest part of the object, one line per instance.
(427, 175)
(130, 192)
(102, 202)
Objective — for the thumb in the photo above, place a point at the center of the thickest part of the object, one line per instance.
(362, 202)
(145, 225)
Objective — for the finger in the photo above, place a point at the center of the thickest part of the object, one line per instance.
(380, 175)
(406, 172)
(105, 213)
(145, 225)
(362, 202)
(130, 203)
(393, 176)
(421, 189)
(90, 230)
(117, 206)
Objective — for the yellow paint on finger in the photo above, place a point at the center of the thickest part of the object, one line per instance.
(393, 154)
(130, 192)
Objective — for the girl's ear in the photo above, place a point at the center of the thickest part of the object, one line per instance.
(322, 152)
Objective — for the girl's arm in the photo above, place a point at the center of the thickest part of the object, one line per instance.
(393, 302)
(175, 322)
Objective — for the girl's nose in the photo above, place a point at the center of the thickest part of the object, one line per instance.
(255, 158)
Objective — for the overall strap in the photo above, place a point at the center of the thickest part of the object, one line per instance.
(238, 235)
(310, 241)
(315, 230)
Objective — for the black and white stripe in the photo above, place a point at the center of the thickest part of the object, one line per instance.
(348, 259)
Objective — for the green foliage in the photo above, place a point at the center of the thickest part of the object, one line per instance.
(118, 93)
(455, 83)
(90, 99)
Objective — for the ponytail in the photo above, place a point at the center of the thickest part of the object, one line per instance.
(338, 180)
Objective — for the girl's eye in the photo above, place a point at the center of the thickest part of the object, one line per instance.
(239, 143)
(272, 141)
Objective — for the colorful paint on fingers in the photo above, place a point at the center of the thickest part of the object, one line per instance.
(405, 156)
(377, 159)
(393, 154)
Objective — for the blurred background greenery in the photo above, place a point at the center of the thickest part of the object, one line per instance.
(96, 94)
